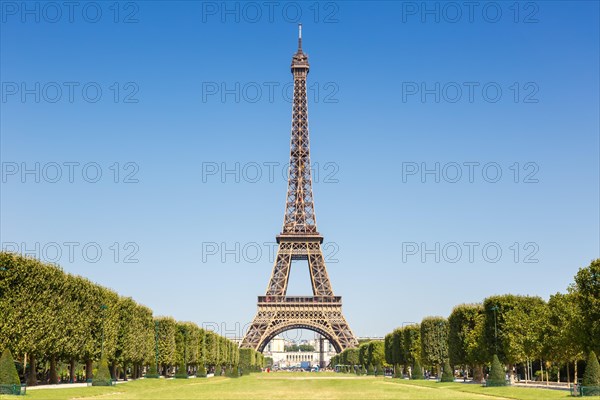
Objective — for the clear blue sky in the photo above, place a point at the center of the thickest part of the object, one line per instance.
(369, 130)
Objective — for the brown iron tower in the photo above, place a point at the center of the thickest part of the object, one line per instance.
(299, 240)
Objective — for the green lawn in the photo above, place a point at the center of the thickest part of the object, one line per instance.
(283, 385)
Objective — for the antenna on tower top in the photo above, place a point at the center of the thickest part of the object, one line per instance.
(299, 36)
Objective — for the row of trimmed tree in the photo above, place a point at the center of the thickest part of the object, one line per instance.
(529, 335)
(49, 317)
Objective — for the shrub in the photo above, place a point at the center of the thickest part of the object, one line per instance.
(233, 372)
(102, 377)
(370, 370)
(497, 377)
(181, 371)
(378, 370)
(152, 372)
(591, 376)
(417, 371)
(201, 372)
(448, 373)
(8, 372)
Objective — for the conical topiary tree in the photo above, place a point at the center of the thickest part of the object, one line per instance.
(448, 373)
(102, 377)
(497, 377)
(591, 376)
(201, 372)
(8, 372)
(417, 371)
(233, 372)
(181, 371)
(152, 372)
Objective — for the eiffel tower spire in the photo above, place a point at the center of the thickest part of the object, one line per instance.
(299, 240)
(299, 217)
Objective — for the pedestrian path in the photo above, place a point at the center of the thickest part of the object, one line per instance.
(64, 386)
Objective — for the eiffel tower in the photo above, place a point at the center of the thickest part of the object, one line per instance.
(299, 240)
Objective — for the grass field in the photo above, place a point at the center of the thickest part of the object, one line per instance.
(285, 385)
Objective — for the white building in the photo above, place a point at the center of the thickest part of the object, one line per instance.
(282, 358)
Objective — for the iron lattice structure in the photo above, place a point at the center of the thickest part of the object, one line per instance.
(299, 240)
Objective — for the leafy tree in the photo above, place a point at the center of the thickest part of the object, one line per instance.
(514, 325)
(166, 342)
(465, 338)
(375, 353)
(301, 347)
(397, 351)
(183, 331)
(351, 356)
(363, 350)
(587, 294)
(496, 377)
(434, 341)
(212, 348)
(246, 359)
(29, 308)
(388, 348)
(53, 317)
(135, 340)
(8, 372)
(562, 337)
(411, 344)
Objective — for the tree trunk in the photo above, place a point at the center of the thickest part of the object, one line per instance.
(478, 373)
(575, 378)
(542, 369)
(511, 375)
(53, 373)
(124, 371)
(72, 370)
(113, 370)
(568, 375)
(89, 373)
(32, 377)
